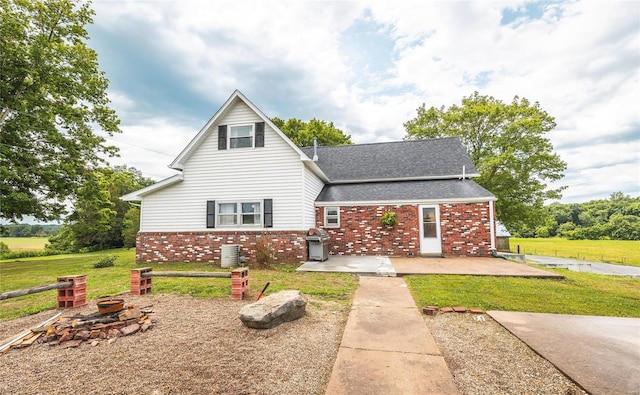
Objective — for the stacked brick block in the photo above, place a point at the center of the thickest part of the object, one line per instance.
(140, 285)
(75, 295)
(239, 283)
(291, 246)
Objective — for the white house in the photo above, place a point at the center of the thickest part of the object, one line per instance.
(241, 178)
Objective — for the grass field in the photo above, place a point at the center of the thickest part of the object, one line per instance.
(620, 252)
(578, 293)
(25, 243)
(30, 272)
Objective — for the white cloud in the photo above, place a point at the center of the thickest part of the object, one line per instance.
(579, 59)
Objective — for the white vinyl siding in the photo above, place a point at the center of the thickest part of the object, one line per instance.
(312, 188)
(233, 175)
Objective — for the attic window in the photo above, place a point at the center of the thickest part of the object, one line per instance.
(241, 136)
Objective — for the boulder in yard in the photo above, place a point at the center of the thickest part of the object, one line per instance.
(273, 310)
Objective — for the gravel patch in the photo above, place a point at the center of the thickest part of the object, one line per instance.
(485, 358)
(198, 346)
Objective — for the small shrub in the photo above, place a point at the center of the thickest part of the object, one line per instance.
(266, 255)
(389, 219)
(106, 261)
(4, 249)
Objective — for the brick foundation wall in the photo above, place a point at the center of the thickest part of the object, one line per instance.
(465, 230)
(291, 246)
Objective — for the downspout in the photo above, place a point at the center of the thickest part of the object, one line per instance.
(492, 226)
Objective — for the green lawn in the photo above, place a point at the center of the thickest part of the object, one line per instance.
(25, 243)
(578, 293)
(621, 252)
(29, 272)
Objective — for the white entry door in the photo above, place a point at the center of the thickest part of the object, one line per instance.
(430, 230)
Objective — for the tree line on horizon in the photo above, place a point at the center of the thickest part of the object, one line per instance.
(615, 218)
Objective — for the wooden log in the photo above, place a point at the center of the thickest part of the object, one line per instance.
(24, 334)
(187, 274)
(31, 340)
(104, 320)
(33, 290)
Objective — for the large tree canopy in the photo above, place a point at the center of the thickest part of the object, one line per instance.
(52, 97)
(507, 143)
(302, 133)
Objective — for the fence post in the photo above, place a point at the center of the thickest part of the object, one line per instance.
(75, 295)
(140, 285)
(239, 283)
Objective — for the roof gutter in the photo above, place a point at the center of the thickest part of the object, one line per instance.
(402, 202)
(425, 178)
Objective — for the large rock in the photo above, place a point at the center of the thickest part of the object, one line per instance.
(273, 310)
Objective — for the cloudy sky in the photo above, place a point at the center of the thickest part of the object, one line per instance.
(367, 66)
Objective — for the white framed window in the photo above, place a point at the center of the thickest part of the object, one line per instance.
(332, 217)
(239, 214)
(241, 136)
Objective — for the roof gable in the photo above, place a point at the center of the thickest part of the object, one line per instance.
(442, 158)
(210, 126)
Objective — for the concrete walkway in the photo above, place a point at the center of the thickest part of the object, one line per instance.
(585, 266)
(601, 354)
(386, 347)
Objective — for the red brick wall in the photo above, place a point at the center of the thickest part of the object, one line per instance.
(291, 246)
(360, 231)
(465, 230)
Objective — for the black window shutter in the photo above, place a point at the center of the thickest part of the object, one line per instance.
(211, 213)
(259, 134)
(222, 137)
(268, 213)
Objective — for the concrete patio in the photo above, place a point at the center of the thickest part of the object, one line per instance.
(395, 266)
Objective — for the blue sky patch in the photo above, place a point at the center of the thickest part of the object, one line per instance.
(368, 47)
(528, 12)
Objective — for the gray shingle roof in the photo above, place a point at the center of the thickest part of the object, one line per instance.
(404, 191)
(414, 159)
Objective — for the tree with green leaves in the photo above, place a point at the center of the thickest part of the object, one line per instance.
(100, 219)
(508, 145)
(302, 133)
(52, 96)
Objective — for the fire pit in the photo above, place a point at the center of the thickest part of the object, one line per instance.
(108, 306)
